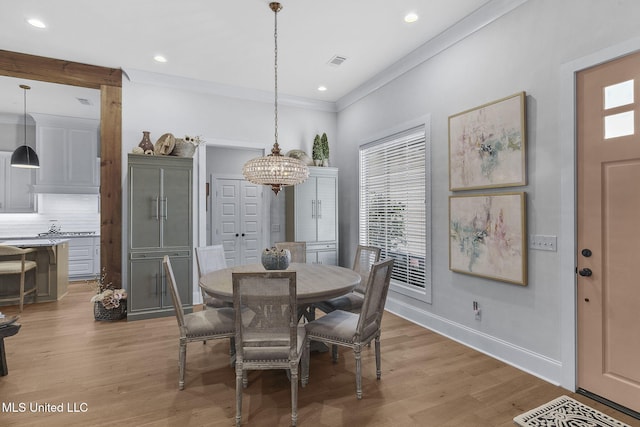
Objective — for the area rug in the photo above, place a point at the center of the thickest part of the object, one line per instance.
(566, 412)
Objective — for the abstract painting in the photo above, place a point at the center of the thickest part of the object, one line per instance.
(487, 145)
(487, 236)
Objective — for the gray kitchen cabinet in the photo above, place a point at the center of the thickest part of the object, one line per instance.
(159, 223)
(312, 215)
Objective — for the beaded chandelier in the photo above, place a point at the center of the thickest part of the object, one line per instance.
(275, 169)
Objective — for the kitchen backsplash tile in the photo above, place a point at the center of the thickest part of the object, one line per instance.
(71, 212)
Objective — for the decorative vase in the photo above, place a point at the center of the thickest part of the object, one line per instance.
(146, 143)
(276, 259)
(325, 163)
(317, 162)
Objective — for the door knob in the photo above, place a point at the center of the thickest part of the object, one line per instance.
(237, 234)
(586, 253)
(585, 272)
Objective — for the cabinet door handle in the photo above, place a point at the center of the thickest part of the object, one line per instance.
(165, 213)
(155, 200)
(319, 208)
(156, 275)
(313, 209)
(163, 279)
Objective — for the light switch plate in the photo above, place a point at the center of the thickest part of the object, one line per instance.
(543, 243)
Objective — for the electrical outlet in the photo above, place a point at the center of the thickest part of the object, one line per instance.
(543, 243)
(476, 310)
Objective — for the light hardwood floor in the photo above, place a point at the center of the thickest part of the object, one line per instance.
(126, 374)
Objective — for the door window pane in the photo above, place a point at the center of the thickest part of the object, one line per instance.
(618, 94)
(618, 125)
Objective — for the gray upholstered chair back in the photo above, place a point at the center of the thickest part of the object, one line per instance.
(298, 250)
(365, 257)
(175, 295)
(266, 316)
(370, 319)
(210, 258)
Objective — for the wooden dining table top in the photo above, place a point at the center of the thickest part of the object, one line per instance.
(315, 282)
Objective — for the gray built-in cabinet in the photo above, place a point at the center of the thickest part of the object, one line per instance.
(312, 215)
(160, 211)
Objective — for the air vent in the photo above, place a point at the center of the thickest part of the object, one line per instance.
(84, 101)
(337, 60)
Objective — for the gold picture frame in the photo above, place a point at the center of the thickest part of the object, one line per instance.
(487, 145)
(487, 236)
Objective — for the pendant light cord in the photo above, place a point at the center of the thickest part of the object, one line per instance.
(25, 112)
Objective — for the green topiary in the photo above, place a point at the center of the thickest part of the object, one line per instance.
(325, 146)
(318, 152)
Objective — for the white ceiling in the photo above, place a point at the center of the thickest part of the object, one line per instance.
(226, 42)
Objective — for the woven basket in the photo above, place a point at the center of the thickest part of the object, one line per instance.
(110, 315)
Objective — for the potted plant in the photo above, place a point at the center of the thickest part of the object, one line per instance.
(318, 153)
(324, 142)
(109, 303)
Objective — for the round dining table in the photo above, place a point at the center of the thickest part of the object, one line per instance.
(315, 282)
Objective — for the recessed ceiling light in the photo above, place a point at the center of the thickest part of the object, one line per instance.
(410, 17)
(322, 88)
(160, 58)
(36, 23)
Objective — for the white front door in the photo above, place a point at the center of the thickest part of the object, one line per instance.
(238, 220)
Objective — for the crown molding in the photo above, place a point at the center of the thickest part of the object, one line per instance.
(472, 23)
(212, 88)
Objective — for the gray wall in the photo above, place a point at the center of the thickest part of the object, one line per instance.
(524, 50)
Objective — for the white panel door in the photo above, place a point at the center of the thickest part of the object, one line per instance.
(238, 220)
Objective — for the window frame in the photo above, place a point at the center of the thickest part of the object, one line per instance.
(387, 136)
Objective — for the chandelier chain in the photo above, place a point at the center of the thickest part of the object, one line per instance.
(275, 67)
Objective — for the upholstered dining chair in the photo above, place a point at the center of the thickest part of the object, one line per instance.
(211, 258)
(18, 264)
(365, 257)
(268, 335)
(298, 250)
(356, 330)
(208, 324)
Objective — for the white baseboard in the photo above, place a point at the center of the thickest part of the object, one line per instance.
(533, 363)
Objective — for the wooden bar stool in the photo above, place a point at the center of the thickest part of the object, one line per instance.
(15, 265)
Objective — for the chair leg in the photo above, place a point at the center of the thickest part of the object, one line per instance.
(305, 365)
(378, 371)
(240, 376)
(357, 352)
(22, 287)
(294, 394)
(334, 353)
(232, 351)
(182, 359)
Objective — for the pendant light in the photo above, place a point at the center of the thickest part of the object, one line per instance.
(275, 169)
(24, 156)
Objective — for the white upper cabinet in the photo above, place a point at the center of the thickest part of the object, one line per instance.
(67, 148)
(16, 195)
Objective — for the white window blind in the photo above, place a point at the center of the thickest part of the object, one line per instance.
(393, 208)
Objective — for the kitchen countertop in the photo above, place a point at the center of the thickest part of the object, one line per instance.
(32, 243)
